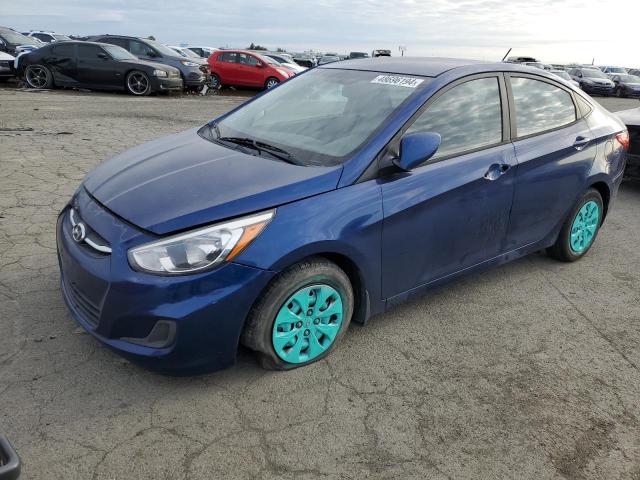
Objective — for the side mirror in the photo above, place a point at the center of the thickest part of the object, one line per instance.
(9, 461)
(416, 148)
(103, 56)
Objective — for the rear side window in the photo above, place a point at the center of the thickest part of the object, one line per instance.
(63, 51)
(139, 49)
(121, 42)
(228, 57)
(540, 106)
(467, 117)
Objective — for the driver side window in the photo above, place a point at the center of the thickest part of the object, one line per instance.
(467, 117)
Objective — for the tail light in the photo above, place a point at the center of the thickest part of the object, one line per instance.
(623, 139)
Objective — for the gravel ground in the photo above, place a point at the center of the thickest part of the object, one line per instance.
(530, 370)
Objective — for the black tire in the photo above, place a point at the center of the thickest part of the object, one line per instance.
(271, 82)
(619, 93)
(214, 81)
(257, 334)
(562, 250)
(138, 83)
(38, 76)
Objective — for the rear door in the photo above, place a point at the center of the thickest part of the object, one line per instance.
(226, 66)
(555, 153)
(62, 61)
(452, 212)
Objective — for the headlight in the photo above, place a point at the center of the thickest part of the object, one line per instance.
(199, 249)
(187, 63)
(160, 73)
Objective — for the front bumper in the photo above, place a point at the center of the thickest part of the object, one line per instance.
(167, 83)
(598, 89)
(122, 308)
(195, 78)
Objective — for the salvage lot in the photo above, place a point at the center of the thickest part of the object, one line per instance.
(527, 371)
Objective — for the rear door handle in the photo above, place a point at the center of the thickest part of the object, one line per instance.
(496, 170)
(581, 142)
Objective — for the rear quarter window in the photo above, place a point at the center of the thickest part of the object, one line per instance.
(540, 106)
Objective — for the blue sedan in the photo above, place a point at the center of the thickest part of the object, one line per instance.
(345, 190)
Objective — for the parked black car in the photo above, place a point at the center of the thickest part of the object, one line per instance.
(631, 119)
(626, 85)
(13, 42)
(194, 74)
(593, 81)
(97, 66)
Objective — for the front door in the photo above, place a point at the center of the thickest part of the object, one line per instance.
(453, 212)
(97, 68)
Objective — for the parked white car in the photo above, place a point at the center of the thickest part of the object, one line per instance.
(7, 66)
(203, 52)
(286, 60)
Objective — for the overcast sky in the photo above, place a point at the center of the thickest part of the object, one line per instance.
(554, 30)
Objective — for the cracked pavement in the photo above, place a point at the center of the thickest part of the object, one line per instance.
(530, 370)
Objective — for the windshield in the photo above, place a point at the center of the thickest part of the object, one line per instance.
(16, 38)
(322, 117)
(61, 37)
(616, 70)
(164, 50)
(118, 53)
(629, 78)
(592, 73)
(189, 53)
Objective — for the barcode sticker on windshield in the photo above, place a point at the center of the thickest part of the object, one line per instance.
(397, 81)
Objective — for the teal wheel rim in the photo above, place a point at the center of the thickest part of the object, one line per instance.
(584, 227)
(307, 323)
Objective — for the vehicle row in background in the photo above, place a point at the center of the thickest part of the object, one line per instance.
(98, 66)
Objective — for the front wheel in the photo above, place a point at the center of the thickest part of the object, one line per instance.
(138, 83)
(301, 315)
(38, 76)
(271, 82)
(580, 229)
(619, 93)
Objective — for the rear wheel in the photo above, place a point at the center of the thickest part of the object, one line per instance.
(38, 76)
(271, 82)
(580, 229)
(138, 83)
(301, 315)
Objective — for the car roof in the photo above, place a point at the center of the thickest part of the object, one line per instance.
(423, 66)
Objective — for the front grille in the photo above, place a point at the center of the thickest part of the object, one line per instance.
(89, 311)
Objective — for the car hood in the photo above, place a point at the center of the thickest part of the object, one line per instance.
(6, 56)
(182, 181)
(630, 117)
(148, 63)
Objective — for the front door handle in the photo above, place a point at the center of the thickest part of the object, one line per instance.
(496, 170)
(581, 142)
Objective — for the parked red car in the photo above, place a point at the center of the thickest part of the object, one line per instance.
(247, 69)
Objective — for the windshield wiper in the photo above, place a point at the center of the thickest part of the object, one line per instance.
(260, 147)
